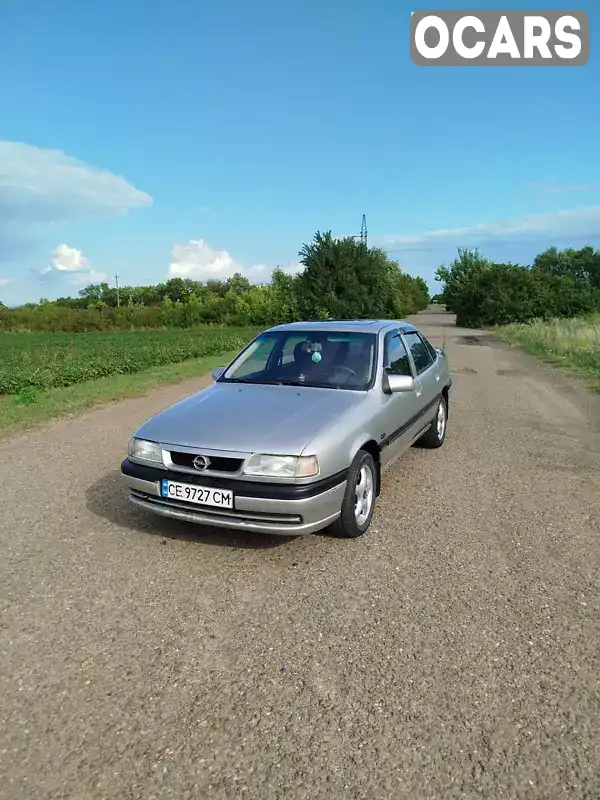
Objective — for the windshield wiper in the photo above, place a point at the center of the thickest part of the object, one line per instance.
(283, 382)
(275, 382)
(290, 382)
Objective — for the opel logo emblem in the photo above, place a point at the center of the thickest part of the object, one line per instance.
(201, 463)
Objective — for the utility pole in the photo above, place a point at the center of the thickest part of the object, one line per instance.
(117, 282)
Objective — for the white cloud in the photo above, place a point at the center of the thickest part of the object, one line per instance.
(5, 281)
(558, 224)
(68, 259)
(70, 264)
(197, 260)
(39, 186)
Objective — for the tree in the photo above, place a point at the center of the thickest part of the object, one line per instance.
(421, 284)
(176, 290)
(581, 265)
(216, 287)
(95, 291)
(411, 294)
(505, 293)
(238, 284)
(345, 279)
(283, 294)
(460, 272)
(499, 294)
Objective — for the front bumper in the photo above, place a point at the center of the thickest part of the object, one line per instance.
(259, 507)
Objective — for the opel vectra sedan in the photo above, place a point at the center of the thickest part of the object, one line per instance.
(294, 434)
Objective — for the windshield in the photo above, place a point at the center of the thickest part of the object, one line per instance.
(326, 359)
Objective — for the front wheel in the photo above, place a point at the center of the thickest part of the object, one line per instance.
(436, 434)
(359, 499)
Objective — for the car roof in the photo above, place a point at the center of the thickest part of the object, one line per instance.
(347, 325)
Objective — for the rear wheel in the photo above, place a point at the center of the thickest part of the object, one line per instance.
(436, 434)
(359, 499)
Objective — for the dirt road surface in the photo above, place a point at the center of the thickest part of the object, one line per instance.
(453, 652)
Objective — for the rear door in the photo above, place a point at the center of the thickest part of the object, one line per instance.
(427, 368)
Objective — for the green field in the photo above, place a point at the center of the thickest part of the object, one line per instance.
(30, 362)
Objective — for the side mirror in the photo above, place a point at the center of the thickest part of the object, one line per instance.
(399, 383)
(217, 372)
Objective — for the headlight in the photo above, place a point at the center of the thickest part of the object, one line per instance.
(282, 466)
(145, 451)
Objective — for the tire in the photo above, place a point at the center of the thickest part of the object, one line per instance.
(349, 524)
(436, 434)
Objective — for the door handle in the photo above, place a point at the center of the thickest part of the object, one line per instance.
(437, 377)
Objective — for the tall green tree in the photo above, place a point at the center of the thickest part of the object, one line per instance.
(345, 279)
(458, 275)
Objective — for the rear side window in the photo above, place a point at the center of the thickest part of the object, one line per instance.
(395, 357)
(430, 347)
(421, 354)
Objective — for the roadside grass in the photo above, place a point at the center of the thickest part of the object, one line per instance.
(31, 406)
(571, 344)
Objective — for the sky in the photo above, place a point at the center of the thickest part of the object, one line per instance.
(157, 139)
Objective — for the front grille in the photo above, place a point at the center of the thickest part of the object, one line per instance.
(217, 463)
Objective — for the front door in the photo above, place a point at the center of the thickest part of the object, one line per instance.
(427, 370)
(400, 411)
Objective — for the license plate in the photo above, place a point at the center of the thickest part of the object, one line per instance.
(201, 495)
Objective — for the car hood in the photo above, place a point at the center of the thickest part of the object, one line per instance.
(250, 418)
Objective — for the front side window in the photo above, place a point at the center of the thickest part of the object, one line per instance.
(395, 357)
(325, 359)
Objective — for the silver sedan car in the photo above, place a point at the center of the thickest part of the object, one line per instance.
(293, 435)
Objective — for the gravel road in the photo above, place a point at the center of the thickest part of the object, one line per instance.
(453, 652)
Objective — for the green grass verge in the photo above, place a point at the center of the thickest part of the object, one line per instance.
(573, 345)
(18, 411)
